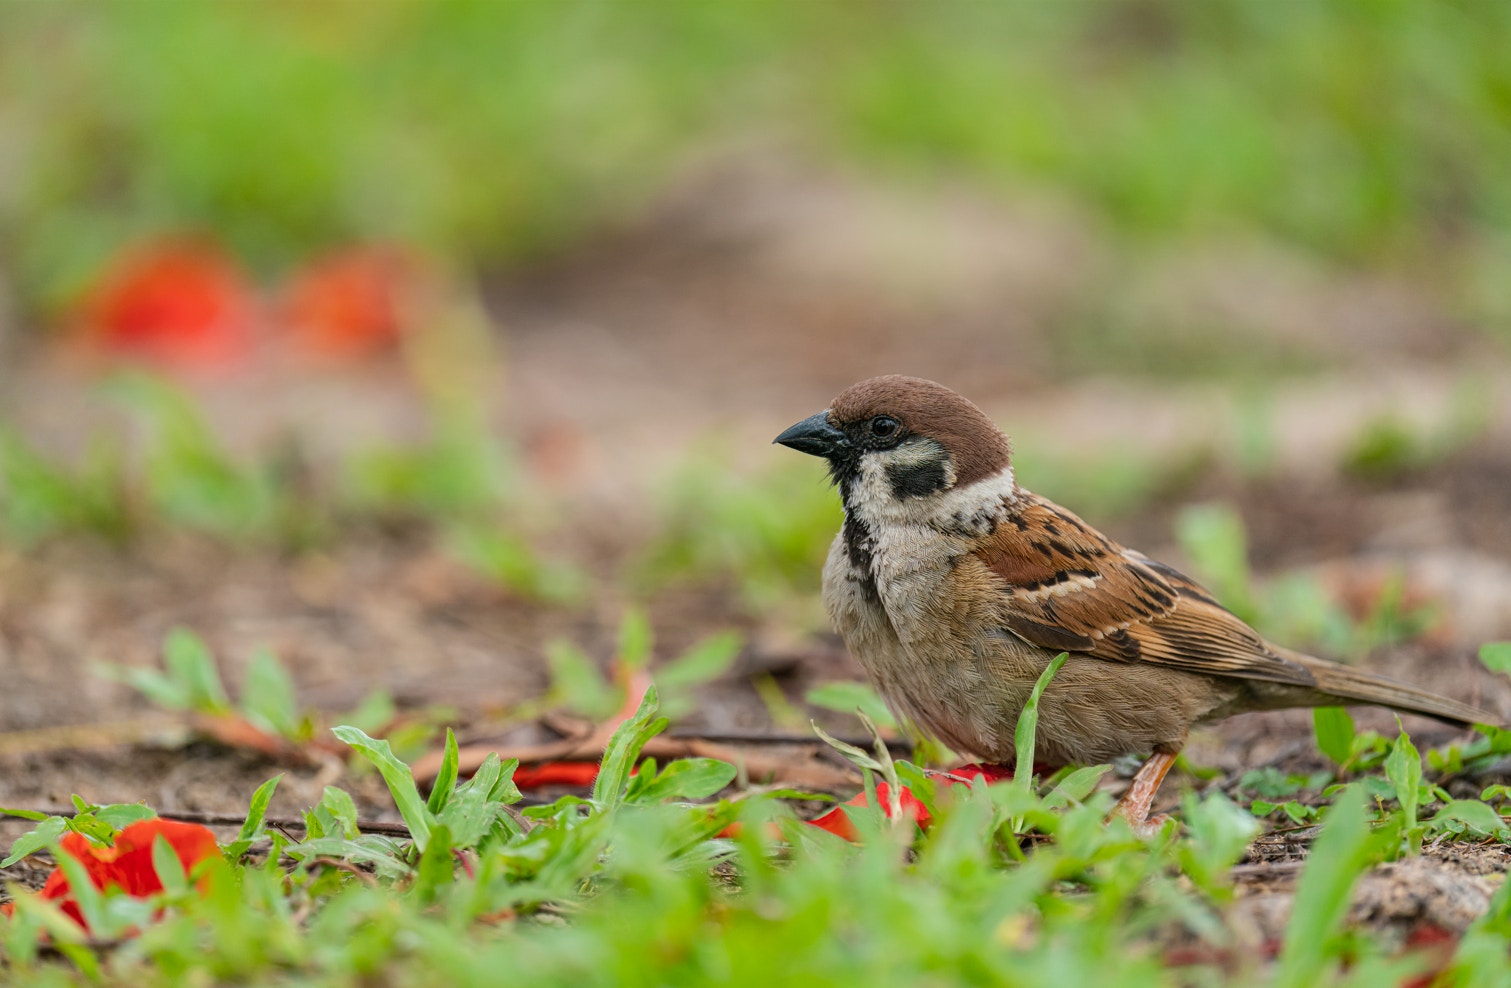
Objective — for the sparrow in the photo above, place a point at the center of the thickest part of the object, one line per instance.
(955, 587)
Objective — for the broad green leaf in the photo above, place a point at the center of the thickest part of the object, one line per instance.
(1334, 728)
(45, 834)
(400, 781)
(624, 749)
(1481, 819)
(189, 663)
(385, 855)
(374, 713)
(445, 780)
(1497, 657)
(119, 816)
(1403, 767)
(703, 663)
(683, 779)
(577, 682)
(471, 812)
(1219, 832)
(635, 639)
(166, 692)
(1299, 812)
(847, 696)
(504, 790)
(337, 807)
(268, 697)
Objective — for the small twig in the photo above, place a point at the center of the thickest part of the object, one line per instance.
(1262, 868)
(736, 736)
(346, 866)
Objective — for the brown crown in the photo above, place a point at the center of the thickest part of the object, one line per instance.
(976, 446)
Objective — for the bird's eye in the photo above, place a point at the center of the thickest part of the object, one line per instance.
(884, 426)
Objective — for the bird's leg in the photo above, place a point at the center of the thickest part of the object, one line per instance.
(1134, 806)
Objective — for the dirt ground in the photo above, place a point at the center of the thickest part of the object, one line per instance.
(732, 310)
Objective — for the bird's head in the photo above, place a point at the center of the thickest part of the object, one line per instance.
(904, 443)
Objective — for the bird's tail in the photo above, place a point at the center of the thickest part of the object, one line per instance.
(1359, 686)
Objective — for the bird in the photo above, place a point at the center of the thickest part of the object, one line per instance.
(955, 587)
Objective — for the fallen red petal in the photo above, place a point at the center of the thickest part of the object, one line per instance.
(128, 864)
(556, 774)
(181, 304)
(352, 303)
(838, 822)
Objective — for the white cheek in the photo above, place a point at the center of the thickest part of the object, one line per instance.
(972, 509)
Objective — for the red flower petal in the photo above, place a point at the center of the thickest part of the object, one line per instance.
(556, 774)
(352, 303)
(991, 773)
(181, 304)
(128, 865)
(837, 821)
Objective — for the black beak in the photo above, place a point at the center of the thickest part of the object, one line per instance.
(814, 435)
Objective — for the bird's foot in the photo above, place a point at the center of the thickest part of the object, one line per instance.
(1137, 801)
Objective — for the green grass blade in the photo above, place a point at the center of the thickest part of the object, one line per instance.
(445, 780)
(1028, 721)
(624, 748)
(257, 810)
(1403, 767)
(1336, 860)
(45, 834)
(400, 779)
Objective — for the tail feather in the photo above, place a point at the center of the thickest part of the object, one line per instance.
(1359, 686)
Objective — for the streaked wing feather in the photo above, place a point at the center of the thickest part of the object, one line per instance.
(1071, 588)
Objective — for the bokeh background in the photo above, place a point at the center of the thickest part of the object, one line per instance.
(420, 342)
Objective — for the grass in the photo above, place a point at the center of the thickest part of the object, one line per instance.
(646, 882)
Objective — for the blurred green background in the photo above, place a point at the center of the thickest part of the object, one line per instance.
(1367, 134)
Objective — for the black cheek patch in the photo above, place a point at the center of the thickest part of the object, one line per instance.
(918, 480)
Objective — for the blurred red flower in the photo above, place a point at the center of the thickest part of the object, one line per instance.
(351, 303)
(837, 821)
(182, 304)
(128, 864)
(556, 774)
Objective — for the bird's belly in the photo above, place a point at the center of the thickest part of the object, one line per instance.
(963, 679)
(1092, 711)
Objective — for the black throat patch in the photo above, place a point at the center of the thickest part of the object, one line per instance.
(918, 479)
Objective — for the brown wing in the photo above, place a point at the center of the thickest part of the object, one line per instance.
(1071, 588)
